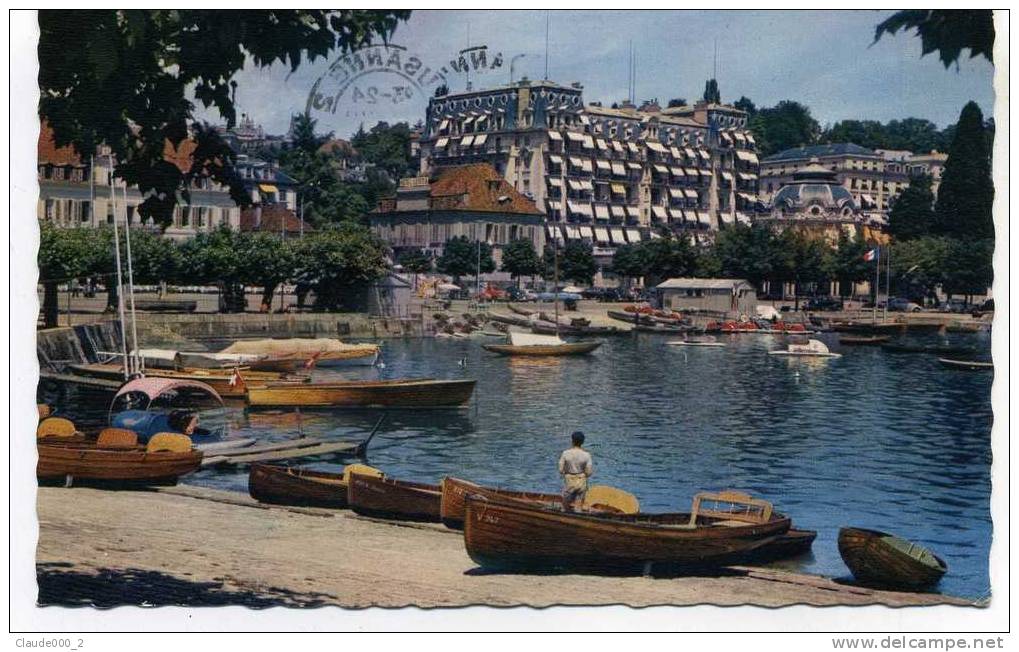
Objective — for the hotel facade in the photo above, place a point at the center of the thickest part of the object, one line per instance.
(610, 176)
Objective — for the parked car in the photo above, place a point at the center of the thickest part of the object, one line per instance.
(823, 303)
(953, 305)
(985, 307)
(897, 304)
(603, 294)
(520, 295)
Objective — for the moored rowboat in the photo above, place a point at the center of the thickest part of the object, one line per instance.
(87, 462)
(282, 485)
(396, 499)
(513, 535)
(453, 507)
(567, 348)
(406, 393)
(871, 339)
(886, 560)
(223, 381)
(970, 365)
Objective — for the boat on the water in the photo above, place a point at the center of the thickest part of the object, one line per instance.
(812, 349)
(969, 365)
(864, 340)
(631, 317)
(540, 345)
(384, 497)
(288, 485)
(513, 535)
(115, 460)
(889, 561)
(549, 328)
(229, 383)
(871, 328)
(399, 393)
(326, 352)
(705, 340)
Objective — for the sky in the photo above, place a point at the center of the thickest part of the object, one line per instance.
(824, 59)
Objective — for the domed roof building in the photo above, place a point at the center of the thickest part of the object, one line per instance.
(815, 200)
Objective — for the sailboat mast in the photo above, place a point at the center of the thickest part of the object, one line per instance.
(877, 280)
(120, 288)
(555, 289)
(136, 362)
(888, 278)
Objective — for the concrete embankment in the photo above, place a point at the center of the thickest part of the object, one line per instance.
(195, 546)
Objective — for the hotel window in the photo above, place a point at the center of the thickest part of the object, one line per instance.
(86, 211)
(130, 214)
(109, 213)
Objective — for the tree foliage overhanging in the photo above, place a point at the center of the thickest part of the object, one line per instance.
(945, 31)
(126, 78)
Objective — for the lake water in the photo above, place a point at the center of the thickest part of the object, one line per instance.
(891, 442)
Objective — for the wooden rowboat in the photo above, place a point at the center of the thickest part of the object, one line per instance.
(405, 393)
(134, 466)
(221, 380)
(969, 365)
(282, 485)
(453, 507)
(865, 339)
(395, 499)
(791, 544)
(512, 535)
(569, 348)
(886, 560)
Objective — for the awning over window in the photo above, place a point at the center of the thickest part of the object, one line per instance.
(554, 205)
(443, 126)
(467, 141)
(726, 138)
(703, 217)
(588, 142)
(727, 218)
(690, 193)
(265, 187)
(632, 211)
(575, 185)
(617, 236)
(632, 165)
(655, 236)
(574, 136)
(744, 176)
(601, 211)
(618, 211)
(603, 165)
(618, 169)
(555, 182)
(750, 139)
(660, 212)
(661, 169)
(748, 197)
(585, 184)
(468, 120)
(601, 234)
(676, 171)
(555, 160)
(633, 148)
(572, 232)
(676, 154)
(676, 193)
(704, 154)
(618, 146)
(693, 172)
(587, 232)
(743, 218)
(656, 147)
(602, 145)
(676, 214)
(442, 143)
(618, 189)
(480, 139)
(740, 138)
(554, 233)
(727, 176)
(689, 153)
(579, 208)
(749, 157)
(554, 135)
(633, 235)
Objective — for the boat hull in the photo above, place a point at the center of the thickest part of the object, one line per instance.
(873, 560)
(514, 536)
(865, 341)
(968, 365)
(394, 499)
(221, 380)
(280, 485)
(453, 506)
(356, 394)
(574, 348)
(362, 360)
(87, 463)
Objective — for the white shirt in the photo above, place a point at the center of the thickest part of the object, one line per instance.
(575, 460)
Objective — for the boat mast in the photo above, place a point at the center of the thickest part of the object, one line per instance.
(888, 278)
(136, 361)
(877, 280)
(116, 258)
(555, 288)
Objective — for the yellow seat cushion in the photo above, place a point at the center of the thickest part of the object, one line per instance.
(117, 438)
(360, 469)
(169, 441)
(55, 427)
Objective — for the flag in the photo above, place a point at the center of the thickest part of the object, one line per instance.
(236, 380)
(871, 255)
(310, 364)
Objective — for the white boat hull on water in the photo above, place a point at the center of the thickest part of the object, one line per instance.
(683, 343)
(367, 360)
(805, 354)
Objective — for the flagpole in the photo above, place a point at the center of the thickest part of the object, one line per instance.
(877, 279)
(888, 278)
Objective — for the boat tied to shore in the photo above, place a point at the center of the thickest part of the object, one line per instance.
(530, 344)
(703, 340)
(968, 365)
(288, 485)
(383, 497)
(397, 393)
(228, 383)
(811, 349)
(864, 340)
(886, 560)
(326, 352)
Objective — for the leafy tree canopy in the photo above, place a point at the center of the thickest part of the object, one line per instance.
(576, 262)
(460, 258)
(520, 258)
(966, 193)
(912, 214)
(416, 261)
(945, 31)
(787, 124)
(711, 92)
(129, 79)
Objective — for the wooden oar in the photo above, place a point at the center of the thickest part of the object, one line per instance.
(362, 448)
(624, 501)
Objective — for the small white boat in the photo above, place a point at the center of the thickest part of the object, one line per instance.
(707, 340)
(812, 349)
(224, 445)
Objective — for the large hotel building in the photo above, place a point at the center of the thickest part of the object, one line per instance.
(607, 175)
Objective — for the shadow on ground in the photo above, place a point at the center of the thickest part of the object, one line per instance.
(61, 586)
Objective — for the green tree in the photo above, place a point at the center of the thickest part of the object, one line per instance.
(416, 261)
(800, 260)
(129, 79)
(216, 258)
(677, 101)
(912, 214)
(945, 31)
(787, 124)
(744, 103)
(339, 264)
(968, 267)
(845, 263)
(711, 93)
(460, 258)
(266, 260)
(667, 257)
(966, 194)
(520, 258)
(747, 252)
(155, 260)
(628, 261)
(920, 266)
(65, 255)
(576, 262)
(387, 147)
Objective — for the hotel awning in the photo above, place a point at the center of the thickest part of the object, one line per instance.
(618, 169)
(588, 142)
(265, 187)
(554, 205)
(600, 142)
(703, 217)
(689, 152)
(676, 154)
(586, 184)
(744, 176)
(727, 176)
(633, 148)
(555, 160)
(676, 193)
(748, 197)
(603, 165)
(660, 212)
(633, 235)
(676, 171)
(656, 147)
(442, 142)
(618, 189)
(480, 139)
(661, 169)
(618, 146)
(587, 232)
(750, 139)
(468, 120)
(676, 214)
(743, 218)
(690, 194)
(555, 182)
(749, 157)
(727, 218)
(554, 135)
(618, 211)
(704, 154)
(740, 138)
(601, 211)
(443, 126)
(572, 232)
(574, 136)
(579, 208)
(693, 172)
(576, 162)
(617, 236)
(632, 165)
(575, 185)
(467, 141)
(554, 232)
(632, 211)
(726, 137)
(601, 234)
